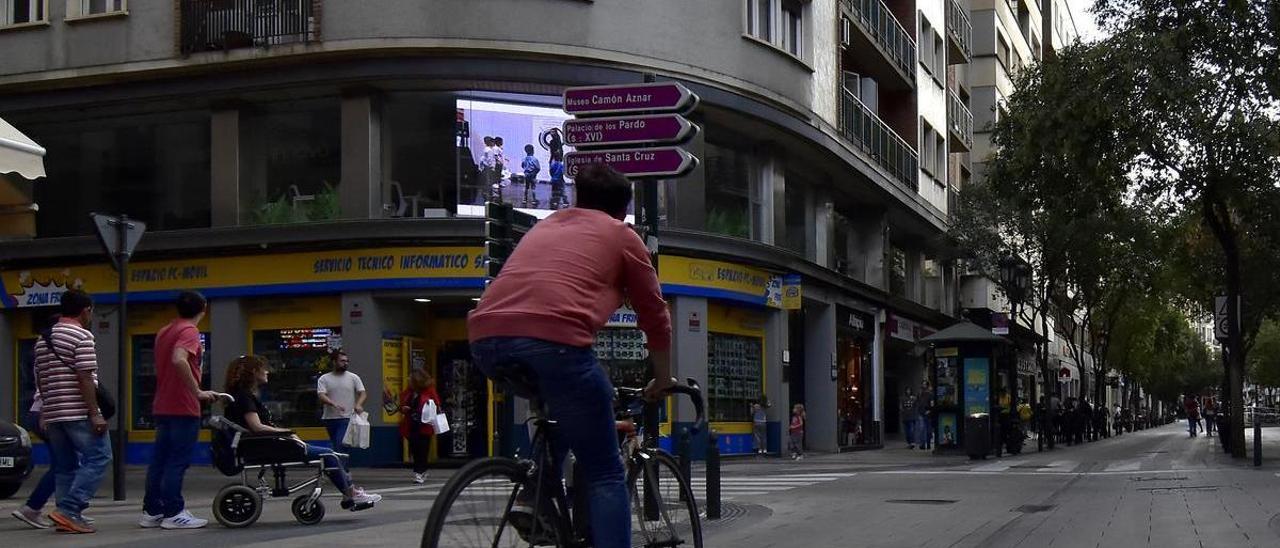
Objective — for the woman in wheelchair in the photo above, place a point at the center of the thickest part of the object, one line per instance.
(246, 375)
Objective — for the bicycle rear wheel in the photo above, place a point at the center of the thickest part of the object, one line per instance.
(471, 509)
(665, 515)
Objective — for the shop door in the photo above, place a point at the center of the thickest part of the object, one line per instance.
(795, 342)
(465, 392)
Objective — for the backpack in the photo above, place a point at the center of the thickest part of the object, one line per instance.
(222, 449)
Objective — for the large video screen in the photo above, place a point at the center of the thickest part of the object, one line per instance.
(511, 153)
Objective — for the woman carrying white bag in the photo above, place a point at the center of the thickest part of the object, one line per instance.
(419, 414)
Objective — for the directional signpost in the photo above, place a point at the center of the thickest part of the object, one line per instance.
(632, 129)
(119, 235)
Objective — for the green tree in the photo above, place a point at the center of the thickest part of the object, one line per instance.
(1264, 359)
(1201, 101)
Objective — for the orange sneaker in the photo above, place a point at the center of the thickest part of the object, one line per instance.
(69, 524)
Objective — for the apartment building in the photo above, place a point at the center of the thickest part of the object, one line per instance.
(316, 168)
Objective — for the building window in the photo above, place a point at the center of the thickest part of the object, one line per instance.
(293, 162)
(144, 378)
(729, 196)
(926, 37)
(84, 8)
(778, 22)
(734, 366)
(932, 55)
(17, 12)
(940, 156)
(928, 149)
(296, 358)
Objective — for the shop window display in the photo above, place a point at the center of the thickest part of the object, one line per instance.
(144, 378)
(855, 395)
(622, 353)
(734, 365)
(297, 358)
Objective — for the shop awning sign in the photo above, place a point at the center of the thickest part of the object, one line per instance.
(622, 99)
(635, 162)
(628, 130)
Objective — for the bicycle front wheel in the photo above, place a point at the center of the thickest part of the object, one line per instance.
(663, 508)
(471, 509)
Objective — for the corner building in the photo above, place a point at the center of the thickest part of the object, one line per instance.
(317, 168)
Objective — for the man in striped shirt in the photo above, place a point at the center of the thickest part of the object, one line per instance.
(66, 370)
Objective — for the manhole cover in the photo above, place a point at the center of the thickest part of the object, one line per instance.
(1034, 508)
(921, 501)
(1159, 478)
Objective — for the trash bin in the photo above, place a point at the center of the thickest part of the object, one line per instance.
(977, 435)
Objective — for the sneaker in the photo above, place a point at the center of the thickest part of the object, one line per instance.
(419, 478)
(70, 524)
(183, 521)
(148, 521)
(88, 519)
(522, 520)
(32, 517)
(360, 500)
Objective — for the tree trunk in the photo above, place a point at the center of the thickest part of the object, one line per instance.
(1217, 215)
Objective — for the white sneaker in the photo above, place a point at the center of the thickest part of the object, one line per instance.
(419, 478)
(183, 521)
(32, 518)
(361, 497)
(148, 521)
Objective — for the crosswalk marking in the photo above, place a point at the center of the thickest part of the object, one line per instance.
(733, 487)
(1125, 466)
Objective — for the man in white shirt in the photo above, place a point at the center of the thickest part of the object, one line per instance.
(342, 394)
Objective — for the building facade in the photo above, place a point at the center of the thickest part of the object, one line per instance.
(318, 168)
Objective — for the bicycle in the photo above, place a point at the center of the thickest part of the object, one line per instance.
(473, 508)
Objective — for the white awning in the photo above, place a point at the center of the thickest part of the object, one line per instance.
(19, 154)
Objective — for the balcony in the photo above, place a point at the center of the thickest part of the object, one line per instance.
(959, 123)
(221, 25)
(871, 135)
(959, 34)
(878, 30)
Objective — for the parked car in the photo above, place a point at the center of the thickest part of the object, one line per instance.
(15, 458)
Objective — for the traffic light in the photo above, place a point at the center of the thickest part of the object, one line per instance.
(503, 228)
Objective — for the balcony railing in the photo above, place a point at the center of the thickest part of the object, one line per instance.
(960, 28)
(876, 20)
(214, 25)
(959, 120)
(866, 131)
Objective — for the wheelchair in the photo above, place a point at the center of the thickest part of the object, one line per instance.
(236, 451)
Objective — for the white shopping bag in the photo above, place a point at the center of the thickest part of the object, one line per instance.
(442, 423)
(357, 432)
(429, 412)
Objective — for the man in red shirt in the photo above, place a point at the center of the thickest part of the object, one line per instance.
(559, 287)
(176, 411)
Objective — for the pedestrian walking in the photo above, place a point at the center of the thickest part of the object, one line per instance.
(422, 389)
(29, 513)
(759, 429)
(1193, 414)
(923, 412)
(343, 394)
(1210, 413)
(909, 418)
(795, 432)
(176, 408)
(66, 373)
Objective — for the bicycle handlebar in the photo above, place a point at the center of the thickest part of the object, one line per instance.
(694, 391)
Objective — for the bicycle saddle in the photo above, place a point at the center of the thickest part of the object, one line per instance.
(516, 378)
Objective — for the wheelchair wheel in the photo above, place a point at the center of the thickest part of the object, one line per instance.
(237, 506)
(306, 512)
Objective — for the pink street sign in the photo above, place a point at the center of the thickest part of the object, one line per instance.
(635, 162)
(654, 97)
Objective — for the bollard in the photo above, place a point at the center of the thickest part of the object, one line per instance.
(1257, 441)
(682, 458)
(713, 476)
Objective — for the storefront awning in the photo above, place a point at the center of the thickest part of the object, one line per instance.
(19, 154)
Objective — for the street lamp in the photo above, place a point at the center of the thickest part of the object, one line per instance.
(1015, 279)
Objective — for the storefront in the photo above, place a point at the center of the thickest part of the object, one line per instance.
(855, 391)
(726, 334)
(905, 369)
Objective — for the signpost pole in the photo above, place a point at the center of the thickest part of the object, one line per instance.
(121, 443)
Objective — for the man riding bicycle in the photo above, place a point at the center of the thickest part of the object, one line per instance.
(556, 291)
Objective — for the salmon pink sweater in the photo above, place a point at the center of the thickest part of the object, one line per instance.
(567, 277)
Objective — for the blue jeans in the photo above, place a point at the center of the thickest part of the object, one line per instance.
(48, 482)
(924, 431)
(579, 398)
(909, 430)
(337, 429)
(176, 438)
(80, 458)
(337, 470)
